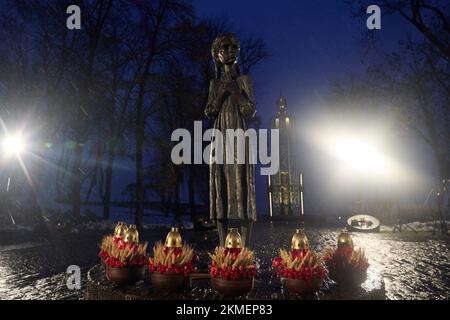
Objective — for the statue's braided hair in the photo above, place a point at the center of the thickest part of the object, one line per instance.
(215, 51)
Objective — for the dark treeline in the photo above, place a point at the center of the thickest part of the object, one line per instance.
(116, 89)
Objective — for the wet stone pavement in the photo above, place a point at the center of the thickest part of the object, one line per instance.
(410, 266)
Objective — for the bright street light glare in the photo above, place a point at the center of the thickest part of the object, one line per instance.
(13, 145)
(359, 154)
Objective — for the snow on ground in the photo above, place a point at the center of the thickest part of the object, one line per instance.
(152, 221)
(21, 246)
(15, 227)
(417, 225)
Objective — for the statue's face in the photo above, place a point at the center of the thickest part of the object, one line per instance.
(228, 51)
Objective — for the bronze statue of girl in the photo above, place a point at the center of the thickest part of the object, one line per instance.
(231, 104)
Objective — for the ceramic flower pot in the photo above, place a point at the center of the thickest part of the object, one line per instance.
(348, 277)
(169, 282)
(232, 288)
(302, 287)
(125, 276)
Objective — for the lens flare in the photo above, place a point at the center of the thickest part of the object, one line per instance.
(13, 145)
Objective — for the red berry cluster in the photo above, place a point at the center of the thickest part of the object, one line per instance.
(305, 273)
(185, 270)
(103, 255)
(231, 273)
(124, 245)
(116, 263)
(233, 251)
(298, 253)
(277, 263)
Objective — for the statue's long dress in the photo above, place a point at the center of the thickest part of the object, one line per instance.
(232, 186)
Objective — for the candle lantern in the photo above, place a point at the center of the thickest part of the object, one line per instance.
(120, 230)
(131, 235)
(345, 240)
(299, 243)
(173, 239)
(233, 240)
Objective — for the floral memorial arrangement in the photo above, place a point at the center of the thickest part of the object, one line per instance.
(347, 266)
(232, 267)
(300, 269)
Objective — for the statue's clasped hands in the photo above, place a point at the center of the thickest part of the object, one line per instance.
(232, 89)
